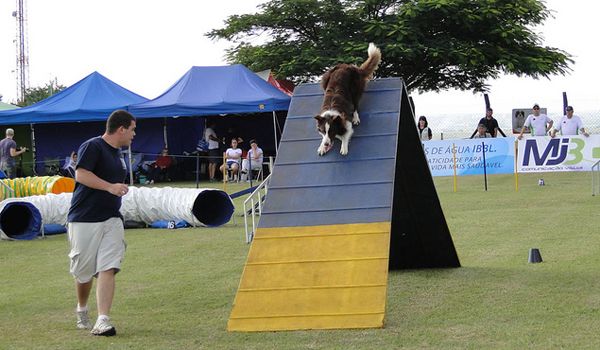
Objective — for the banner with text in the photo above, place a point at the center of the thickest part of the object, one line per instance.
(566, 153)
(468, 155)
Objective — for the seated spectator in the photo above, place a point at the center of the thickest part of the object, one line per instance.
(68, 169)
(481, 132)
(233, 156)
(254, 159)
(160, 168)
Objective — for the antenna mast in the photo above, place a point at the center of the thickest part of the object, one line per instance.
(22, 50)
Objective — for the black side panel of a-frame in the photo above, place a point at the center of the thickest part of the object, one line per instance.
(420, 234)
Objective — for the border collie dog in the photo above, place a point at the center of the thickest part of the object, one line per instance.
(343, 86)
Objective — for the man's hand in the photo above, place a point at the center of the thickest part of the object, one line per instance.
(118, 190)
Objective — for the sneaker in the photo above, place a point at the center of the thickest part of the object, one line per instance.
(83, 320)
(104, 328)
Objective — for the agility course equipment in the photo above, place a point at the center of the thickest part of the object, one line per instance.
(332, 226)
(31, 186)
(22, 218)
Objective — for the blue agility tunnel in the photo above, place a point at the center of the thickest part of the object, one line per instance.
(20, 220)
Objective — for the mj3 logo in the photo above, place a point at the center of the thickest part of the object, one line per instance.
(555, 153)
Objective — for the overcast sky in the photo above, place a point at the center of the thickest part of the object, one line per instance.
(145, 46)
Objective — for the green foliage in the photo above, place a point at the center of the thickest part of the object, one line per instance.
(37, 94)
(177, 287)
(432, 44)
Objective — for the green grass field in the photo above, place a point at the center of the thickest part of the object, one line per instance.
(177, 286)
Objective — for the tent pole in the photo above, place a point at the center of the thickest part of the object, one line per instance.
(165, 134)
(130, 166)
(33, 151)
(275, 130)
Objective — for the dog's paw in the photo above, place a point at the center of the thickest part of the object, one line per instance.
(355, 118)
(321, 151)
(343, 151)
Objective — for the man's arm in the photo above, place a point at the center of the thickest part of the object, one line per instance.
(550, 123)
(15, 153)
(91, 180)
(527, 123)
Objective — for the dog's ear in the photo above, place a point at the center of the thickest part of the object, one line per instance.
(319, 118)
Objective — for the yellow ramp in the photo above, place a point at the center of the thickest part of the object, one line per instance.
(314, 277)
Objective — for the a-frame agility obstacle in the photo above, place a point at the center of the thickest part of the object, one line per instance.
(333, 225)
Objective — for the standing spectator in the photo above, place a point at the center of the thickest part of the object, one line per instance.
(481, 132)
(569, 125)
(95, 225)
(68, 169)
(213, 149)
(425, 133)
(253, 161)
(490, 123)
(8, 152)
(539, 124)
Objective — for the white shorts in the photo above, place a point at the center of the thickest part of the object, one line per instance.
(95, 247)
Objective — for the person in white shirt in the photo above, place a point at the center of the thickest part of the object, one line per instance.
(570, 125)
(539, 124)
(254, 159)
(424, 130)
(233, 156)
(214, 155)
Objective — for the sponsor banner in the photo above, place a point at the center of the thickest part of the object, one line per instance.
(565, 153)
(468, 155)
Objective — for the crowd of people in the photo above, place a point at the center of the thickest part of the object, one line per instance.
(535, 124)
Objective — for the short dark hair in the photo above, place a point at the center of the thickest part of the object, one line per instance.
(423, 118)
(117, 119)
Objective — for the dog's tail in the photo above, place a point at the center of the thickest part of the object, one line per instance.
(370, 65)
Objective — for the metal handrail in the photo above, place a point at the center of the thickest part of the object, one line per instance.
(259, 194)
(595, 177)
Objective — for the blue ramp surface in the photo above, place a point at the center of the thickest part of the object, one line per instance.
(307, 189)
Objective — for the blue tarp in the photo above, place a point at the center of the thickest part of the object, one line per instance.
(91, 99)
(212, 91)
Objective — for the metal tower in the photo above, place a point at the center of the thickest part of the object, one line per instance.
(20, 16)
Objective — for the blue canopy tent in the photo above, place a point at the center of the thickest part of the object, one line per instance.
(215, 90)
(210, 91)
(66, 119)
(92, 98)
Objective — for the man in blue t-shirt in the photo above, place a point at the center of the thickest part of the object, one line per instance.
(95, 225)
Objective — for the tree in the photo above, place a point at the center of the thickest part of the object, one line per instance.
(36, 94)
(431, 44)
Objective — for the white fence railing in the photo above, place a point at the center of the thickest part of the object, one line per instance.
(255, 203)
